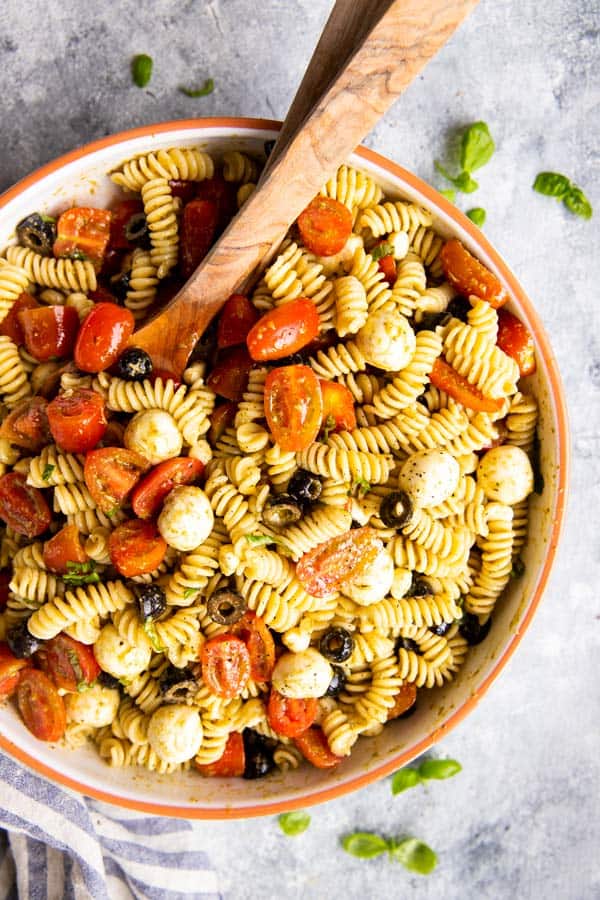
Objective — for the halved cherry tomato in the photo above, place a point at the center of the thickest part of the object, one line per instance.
(447, 379)
(230, 764)
(77, 419)
(225, 665)
(313, 746)
(197, 231)
(469, 276)
(136, 548)
(65, 547)
(102, 337)
(338, 406)
(41, 706)
(325, 226)
(517, 341)
(293, 406)
(236, 320)
(10, 325)
(223, 194)
(221, 418)
(184, 190)
(120, 221)
(5, 579)
(23, 507)
(290, 716)
(49, 331)
(387, 265)
(256, 635)
(83, 231)
(27, 425)
(230, 375)
(10, 670)
(110, 473)
(67, 662)
(148, 495)
(284, 330)
(341, 558)
(404, 699)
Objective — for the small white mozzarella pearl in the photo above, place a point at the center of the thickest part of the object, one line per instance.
(302, 675)
(373, 583)
(429, 477)
(187, 518)
(154, 434)
(335, 264)
(505, 474)
(118, 657)
(387, 340)
(95, 706)
(175, 733)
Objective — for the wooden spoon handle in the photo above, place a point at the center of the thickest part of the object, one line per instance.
(407, 35)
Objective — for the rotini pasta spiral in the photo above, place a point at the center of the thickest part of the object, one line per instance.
(344, 465)
(161, 216)
(63, 274)
(186, 164)
(80, 603)
(405, 387)
(52, 468)
(14, 384)
(399, 216)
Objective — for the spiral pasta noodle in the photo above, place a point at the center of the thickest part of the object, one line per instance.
(63, 274)
(14, 279)
(80, 603)
(186, 164)
(14, 384)
(405, 387)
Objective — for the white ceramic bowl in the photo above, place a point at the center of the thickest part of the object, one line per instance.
(79, 178)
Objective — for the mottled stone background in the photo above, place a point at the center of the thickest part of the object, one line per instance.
(522, 820)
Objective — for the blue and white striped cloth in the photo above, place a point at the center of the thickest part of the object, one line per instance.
(58, 845)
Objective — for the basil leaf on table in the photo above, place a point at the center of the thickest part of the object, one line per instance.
(439, 768)
(551, 184)
(414, 855)
(462, 182)
(477, 216)
(141, 69)
(405, 779)
(206, 89)
(293, 823)
(577, 203)
(364, 844)
(477, 147)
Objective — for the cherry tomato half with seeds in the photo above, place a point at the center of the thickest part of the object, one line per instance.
(313, 746)
(23, 507)
(515, 339)
(77, 419)
(232, 762)
(289, 716)
(83, 232)
(256, 635)
(110, 473)
(293, 406)
(27, 425)
(10, 325)
(10, 670)
(136, 548)
(149, 494)
(49, 331)
(446, 378)
(325, 226)
(229, 377)
(41, 706)
(325, 568)
(236, 320)
(68, 663)
(469, 276)
(63, 548)
(284, 330)
(225, 665)
(338, 406)
(404, 699)
(102, 337)
(198, 226)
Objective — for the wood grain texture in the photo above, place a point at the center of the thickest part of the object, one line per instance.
(407, 34)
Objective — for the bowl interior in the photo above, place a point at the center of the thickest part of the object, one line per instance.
(82, 180)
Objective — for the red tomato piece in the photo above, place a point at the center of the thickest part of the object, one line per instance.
(10, 325)
(83, 232)
(67, 662)
(41, 706)
(293, 406)
(325, 226)
(197, 230)
(517, 341)
(469, 276)
(232, 763)
(257, 637)
(110, 473)
(49, 331)
(313, 746)
(122, 215)
(77, 419)
(236, 320)
(184, 190)
(338, 406)
(165, 375)
(387, 265)
(404, 699)
(230, 375)
(223, 194)
(225, 665)
(10, 670)
(284, 330)
(27, 425)
(5, 579)
(289, 716)
(220, 419)
(23, 507)
(447, 379)
(149, 494)
(65, 547)
(102, 337)
(136, 548)
(323, 569)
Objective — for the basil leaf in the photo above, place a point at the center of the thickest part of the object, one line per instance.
(364, 844)
(382, 250)
(462, 182)
(294, 823)
(189, 592)
(577, 203)
(363, 486)
(477, 215)
(439, 768)
(551, 184)
(81, 573)
(449, 194)
(405, 779)
(414, 855)
(151, 632)
(477, 147)
(48, 470)
(207, 88)
(141, 69)
(328, 426)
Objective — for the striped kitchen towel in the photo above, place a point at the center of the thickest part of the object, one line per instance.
(58, 845)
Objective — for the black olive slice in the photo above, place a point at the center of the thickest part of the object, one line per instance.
(337, 683)
(134, 364)
(281, 511)
(20, 640)
(337, 645)
(152, 600)
(38, 233)
(305, 487)
(396, 509)
(472, 630)
(226, 607)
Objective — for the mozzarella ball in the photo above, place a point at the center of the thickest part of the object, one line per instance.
(373, 583)
(335, 264)
(429, 477)
(154, 434)
(304, 674)
(175, 732)
(95, 706)
(505, 474)
(386, 340)
(118, 657)
(399, 242)
(187, 518)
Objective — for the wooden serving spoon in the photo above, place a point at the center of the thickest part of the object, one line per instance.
(396, 38)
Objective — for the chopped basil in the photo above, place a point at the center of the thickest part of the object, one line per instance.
(518, 568)
(577, 203)
(328, 427)
(189, 592)
(477, 215)
(477, 147)
(48, 470)
(363, 486)
(150, 630)
(50, 220)
(414, 855)
(294, 823)
(553, 184)
(141, 69)
(382, 250)
(449, 194)
(207, 88)
(81, 573)
(364, 844)
(462, 182)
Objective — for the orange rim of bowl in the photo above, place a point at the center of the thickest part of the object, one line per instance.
(386, 768)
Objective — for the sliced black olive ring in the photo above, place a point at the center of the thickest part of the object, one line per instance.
(226, 607)
(337, 645)
(134, 364)
(38, 233)
(152, 601)
(282, 511)
(396, 509)
(305, 487)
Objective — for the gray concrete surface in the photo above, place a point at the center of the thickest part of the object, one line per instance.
(522, 820)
